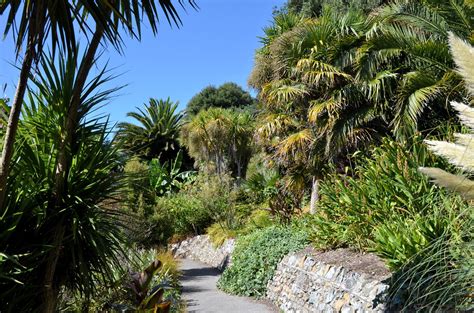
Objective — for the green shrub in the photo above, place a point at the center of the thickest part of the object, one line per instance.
(207, 200)
(169, 177)
(138, 196)
(188, 214)
(261, 181)
(256, 257)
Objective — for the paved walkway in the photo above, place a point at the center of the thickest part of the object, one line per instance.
(202, 296)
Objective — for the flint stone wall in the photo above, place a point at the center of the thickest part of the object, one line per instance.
(200, 248)
(333, 281)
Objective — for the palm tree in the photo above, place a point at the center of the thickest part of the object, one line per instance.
(59, 20)
(313, 106)
(40, 20)
(336, 81)
(241, 133)
(157, 134)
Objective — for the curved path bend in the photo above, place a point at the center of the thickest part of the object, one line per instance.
(202, 296)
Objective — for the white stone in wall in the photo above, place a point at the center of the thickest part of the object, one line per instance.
(200, 248)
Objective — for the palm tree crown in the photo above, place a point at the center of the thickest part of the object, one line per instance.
(157, 132)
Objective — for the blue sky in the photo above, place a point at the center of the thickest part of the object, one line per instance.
(215, 45)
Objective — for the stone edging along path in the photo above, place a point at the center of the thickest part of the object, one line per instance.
(309, 281)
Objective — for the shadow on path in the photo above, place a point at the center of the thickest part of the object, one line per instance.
(201, 294)
(196, 273)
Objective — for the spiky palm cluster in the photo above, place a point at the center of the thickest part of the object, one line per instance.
(31, 220)
(157, 132)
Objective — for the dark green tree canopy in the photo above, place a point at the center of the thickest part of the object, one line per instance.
(228, 95)
(314, 8)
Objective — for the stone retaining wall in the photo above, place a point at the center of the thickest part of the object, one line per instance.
(200, 248)
(335, 281)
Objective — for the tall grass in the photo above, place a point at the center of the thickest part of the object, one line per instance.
(439, 277)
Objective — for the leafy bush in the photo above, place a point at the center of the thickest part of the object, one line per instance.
(150, 232)
(188, 214)
(146, 184)
(261, 182)
(285, 202)
(255, 259)
(138, 196)
(168, 177)
(207, 200)
(399, 239)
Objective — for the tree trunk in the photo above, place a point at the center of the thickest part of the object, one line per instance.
(51, 288)
(35, 36)
(314, 195)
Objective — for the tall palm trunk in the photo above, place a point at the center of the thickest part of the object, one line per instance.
(314, 195)
(51, 285)
(35, 38)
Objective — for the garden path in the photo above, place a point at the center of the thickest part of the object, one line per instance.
(202, 296)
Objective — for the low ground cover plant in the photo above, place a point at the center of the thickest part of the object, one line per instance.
(255, 259)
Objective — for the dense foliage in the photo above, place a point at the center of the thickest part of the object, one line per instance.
(441, 275)
(121, 293)
(57, 169)
(385, 205)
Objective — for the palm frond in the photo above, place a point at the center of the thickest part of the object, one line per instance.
(295, 146)
(314, 72)
(416, 91)
(283, 92)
